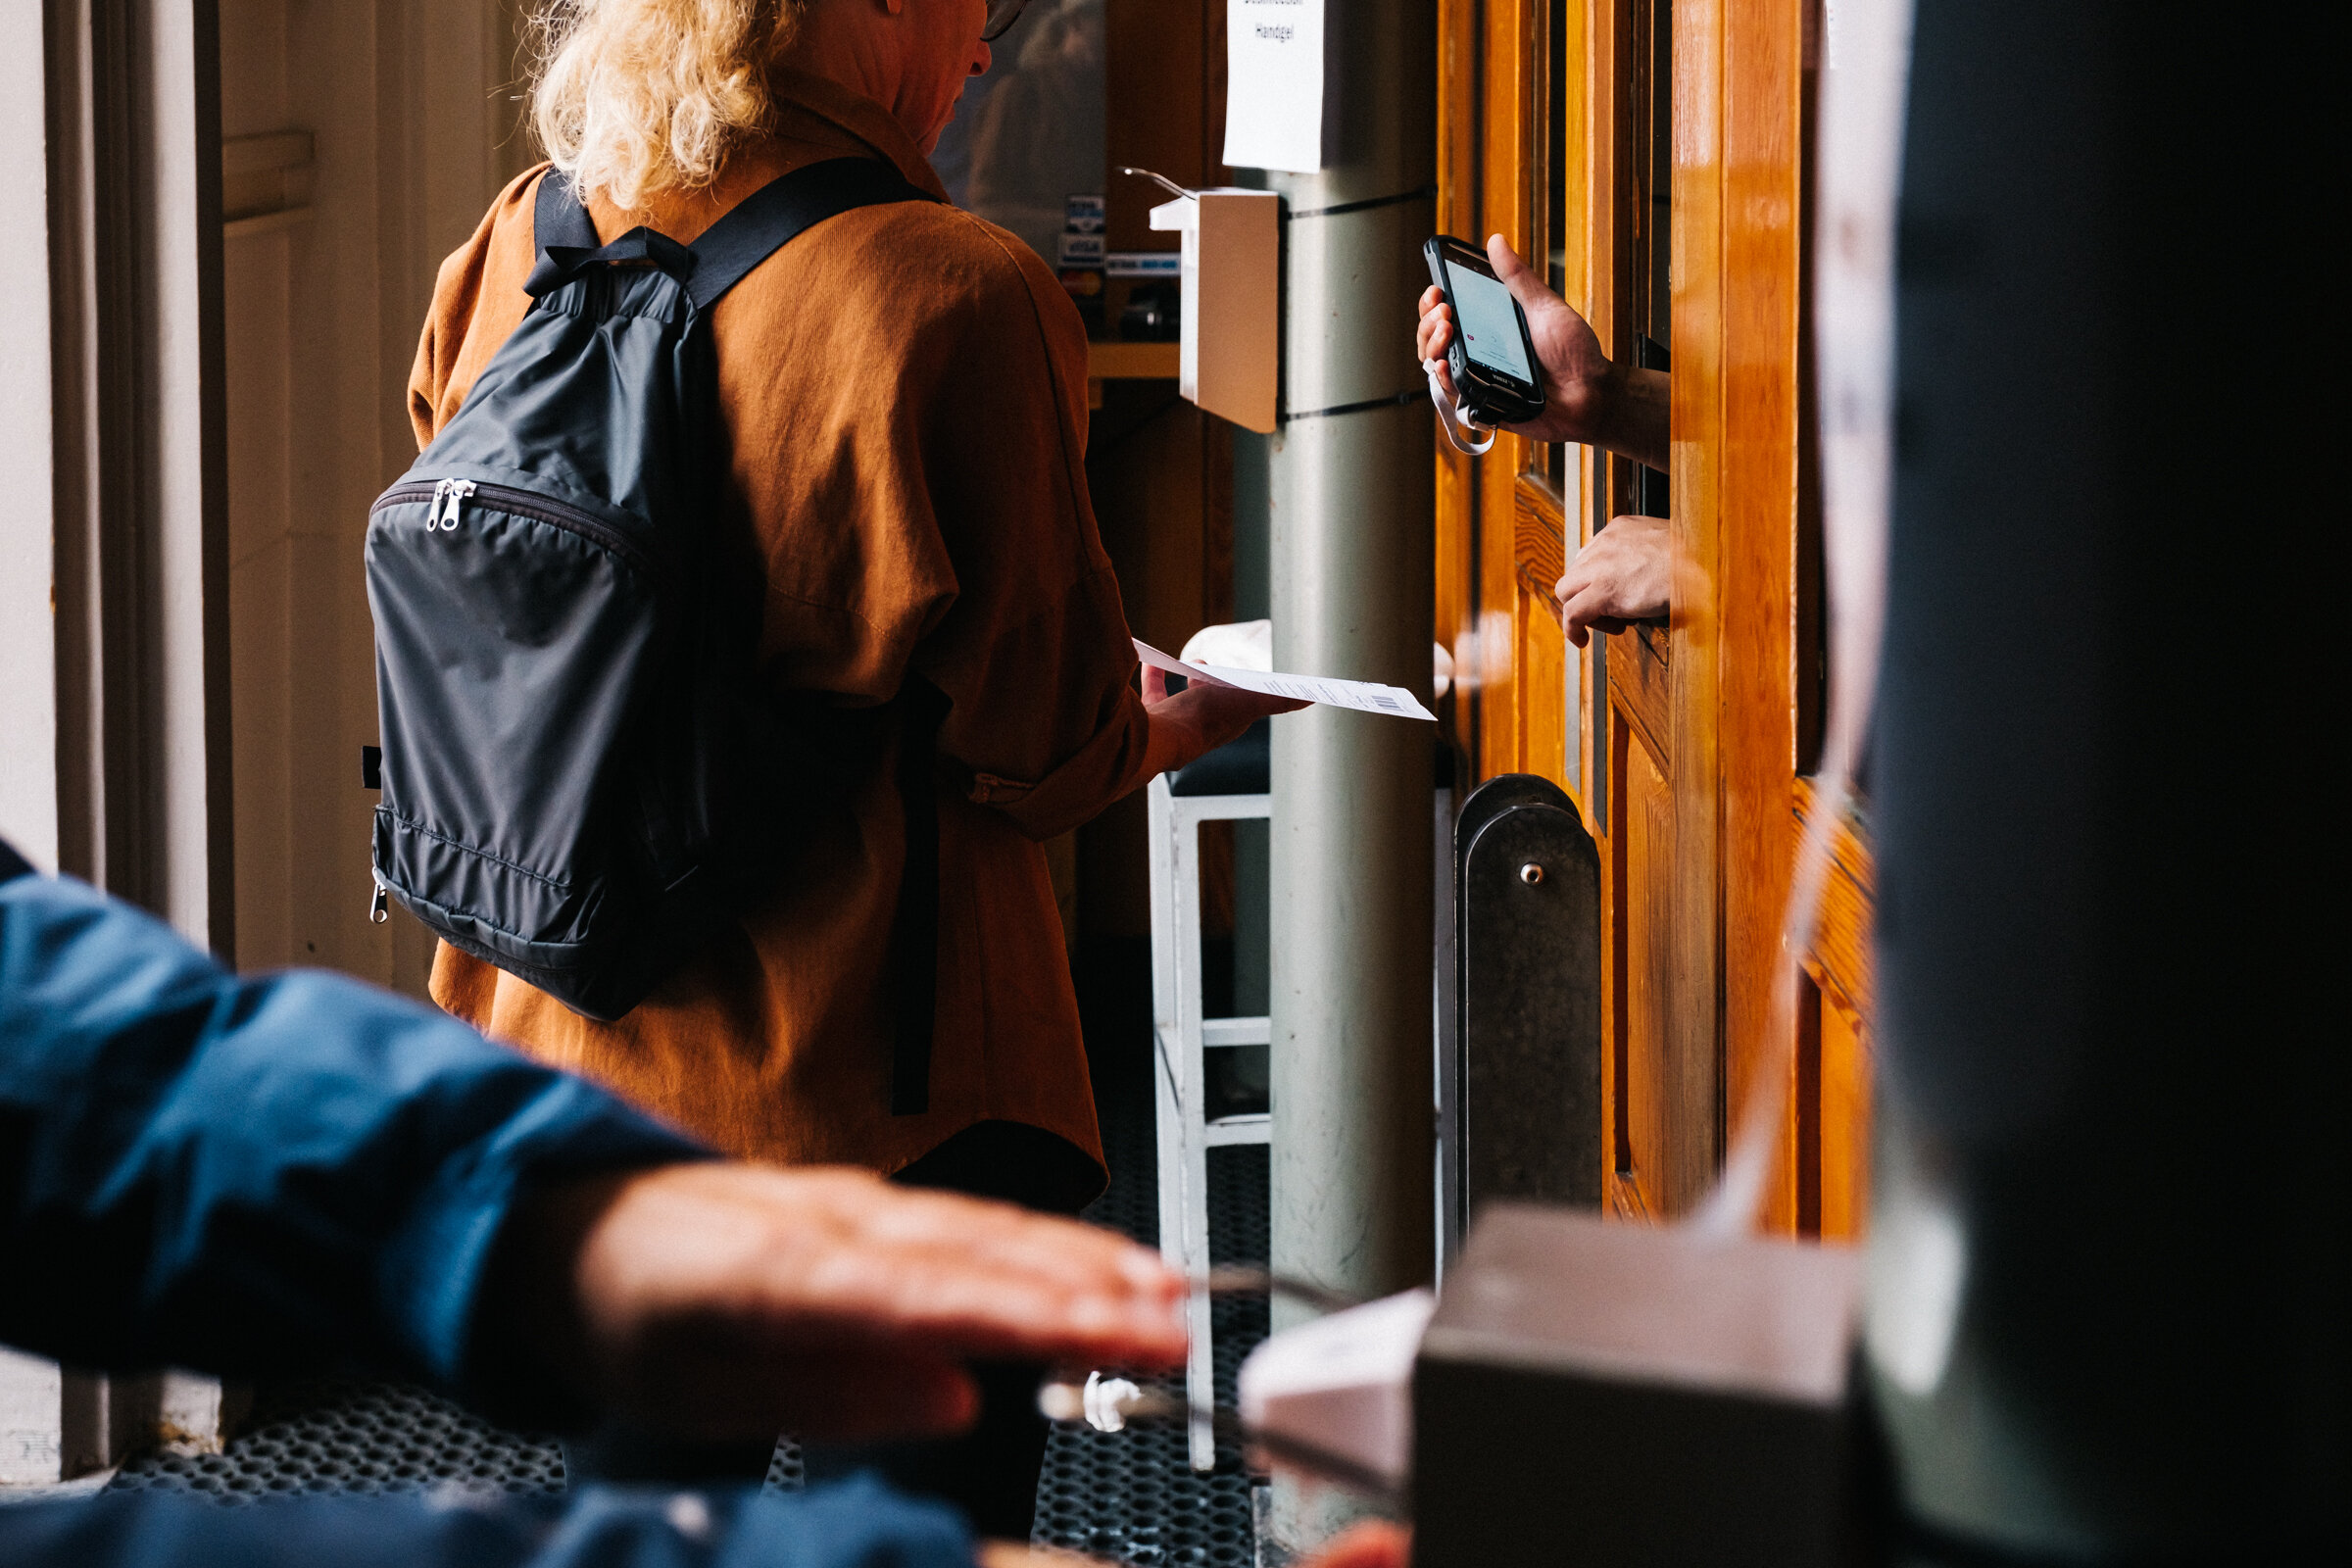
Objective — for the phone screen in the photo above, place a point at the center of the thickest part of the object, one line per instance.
(1488, 322)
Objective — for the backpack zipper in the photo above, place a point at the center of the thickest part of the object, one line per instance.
(449, 497)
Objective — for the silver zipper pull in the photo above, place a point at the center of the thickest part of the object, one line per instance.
(458, 490)
(379, 908)
(432, 519)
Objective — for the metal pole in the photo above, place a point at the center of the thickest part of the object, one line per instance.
(1353, 558)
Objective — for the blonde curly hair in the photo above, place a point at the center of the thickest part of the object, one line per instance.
(632, 98)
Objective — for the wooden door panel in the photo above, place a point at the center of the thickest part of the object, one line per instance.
(1538, 543)
(1841, 956)
(1844, 1098)
(1639, 675)
(1539, 555)
(1831, 1130)
(1641, 841)
(1543, 736)
(1700, 353)
(1830, 1115)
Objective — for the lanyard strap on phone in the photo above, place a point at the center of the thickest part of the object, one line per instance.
(1460, 427)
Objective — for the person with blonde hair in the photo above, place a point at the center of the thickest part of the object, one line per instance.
(904, 393)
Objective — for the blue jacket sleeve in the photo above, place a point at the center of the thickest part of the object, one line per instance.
(256, 1176)
(860, 1524)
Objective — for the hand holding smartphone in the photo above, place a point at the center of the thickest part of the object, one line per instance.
(1493, 355)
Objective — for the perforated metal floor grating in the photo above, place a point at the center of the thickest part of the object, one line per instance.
(1134, 1495)
(354, 1438)
(1130, 1495)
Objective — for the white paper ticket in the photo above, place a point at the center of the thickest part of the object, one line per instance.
(1363, 696)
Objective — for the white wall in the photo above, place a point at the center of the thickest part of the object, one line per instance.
(27, 524)
(28, 1387)
(410, 107)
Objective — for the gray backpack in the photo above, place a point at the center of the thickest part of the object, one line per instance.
(584, 779)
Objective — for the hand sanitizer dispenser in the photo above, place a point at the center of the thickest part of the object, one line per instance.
(1231, 330)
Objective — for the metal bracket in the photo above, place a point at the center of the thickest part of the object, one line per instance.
(1519, 1096)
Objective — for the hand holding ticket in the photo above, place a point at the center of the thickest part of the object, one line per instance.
(1363, 696)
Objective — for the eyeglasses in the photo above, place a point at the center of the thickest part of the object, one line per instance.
(1002, 15)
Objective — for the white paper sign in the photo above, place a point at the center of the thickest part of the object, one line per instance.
(1363, 696)
(1274, 88)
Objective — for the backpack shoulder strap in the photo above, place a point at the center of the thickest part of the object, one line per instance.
(764, 221)
(561, 217)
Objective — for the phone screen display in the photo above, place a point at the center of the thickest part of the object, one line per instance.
(1490, 325)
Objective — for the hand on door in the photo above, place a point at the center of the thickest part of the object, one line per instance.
(1587, 397)
(1624, 576)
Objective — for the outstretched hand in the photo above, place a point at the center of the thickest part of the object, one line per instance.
(731, 1301)
(1586, 397)
(1195, 721)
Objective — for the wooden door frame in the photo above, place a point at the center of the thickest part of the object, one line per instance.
(1729, 719)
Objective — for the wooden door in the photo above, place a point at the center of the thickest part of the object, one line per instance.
(1652, 154)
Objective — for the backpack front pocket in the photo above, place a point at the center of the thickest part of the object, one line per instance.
(516, 647)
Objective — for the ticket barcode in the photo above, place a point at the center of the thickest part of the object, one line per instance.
(1382, 700)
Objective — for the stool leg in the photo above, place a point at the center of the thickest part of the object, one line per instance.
(1179, 1076)
(1200, 1370)
(1168, 1100)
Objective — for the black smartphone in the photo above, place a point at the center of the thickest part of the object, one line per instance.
(1493, 355)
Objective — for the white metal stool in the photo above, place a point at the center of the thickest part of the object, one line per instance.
(1181, 1039)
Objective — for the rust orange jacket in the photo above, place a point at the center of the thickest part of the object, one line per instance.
(904, 394)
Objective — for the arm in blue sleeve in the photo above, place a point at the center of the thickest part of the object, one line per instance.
(860, 1524)
(256, 1177)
